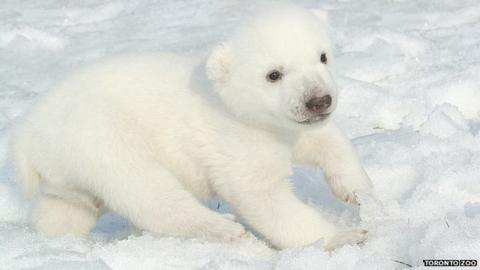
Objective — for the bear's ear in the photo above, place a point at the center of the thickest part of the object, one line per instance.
(219, 63)
(322, 15)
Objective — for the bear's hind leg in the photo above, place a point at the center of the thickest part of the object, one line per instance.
(55, 216)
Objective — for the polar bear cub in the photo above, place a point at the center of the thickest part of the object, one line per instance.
(150, 136)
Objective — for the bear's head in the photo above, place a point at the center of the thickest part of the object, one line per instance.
(277, 70)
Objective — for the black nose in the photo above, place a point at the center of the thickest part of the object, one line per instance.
(319, 104)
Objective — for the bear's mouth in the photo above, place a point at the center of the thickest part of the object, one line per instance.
(315, 119)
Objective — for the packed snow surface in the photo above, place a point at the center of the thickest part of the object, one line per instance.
(409, 72)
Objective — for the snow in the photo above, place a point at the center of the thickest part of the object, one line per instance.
(410, 101)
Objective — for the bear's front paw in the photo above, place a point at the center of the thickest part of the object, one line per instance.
(223, 229)
(351, 237)
(346, 186)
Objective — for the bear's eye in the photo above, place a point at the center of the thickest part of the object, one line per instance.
(274, 76)
(323, 58)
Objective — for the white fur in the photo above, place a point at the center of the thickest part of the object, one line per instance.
(145, 136)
